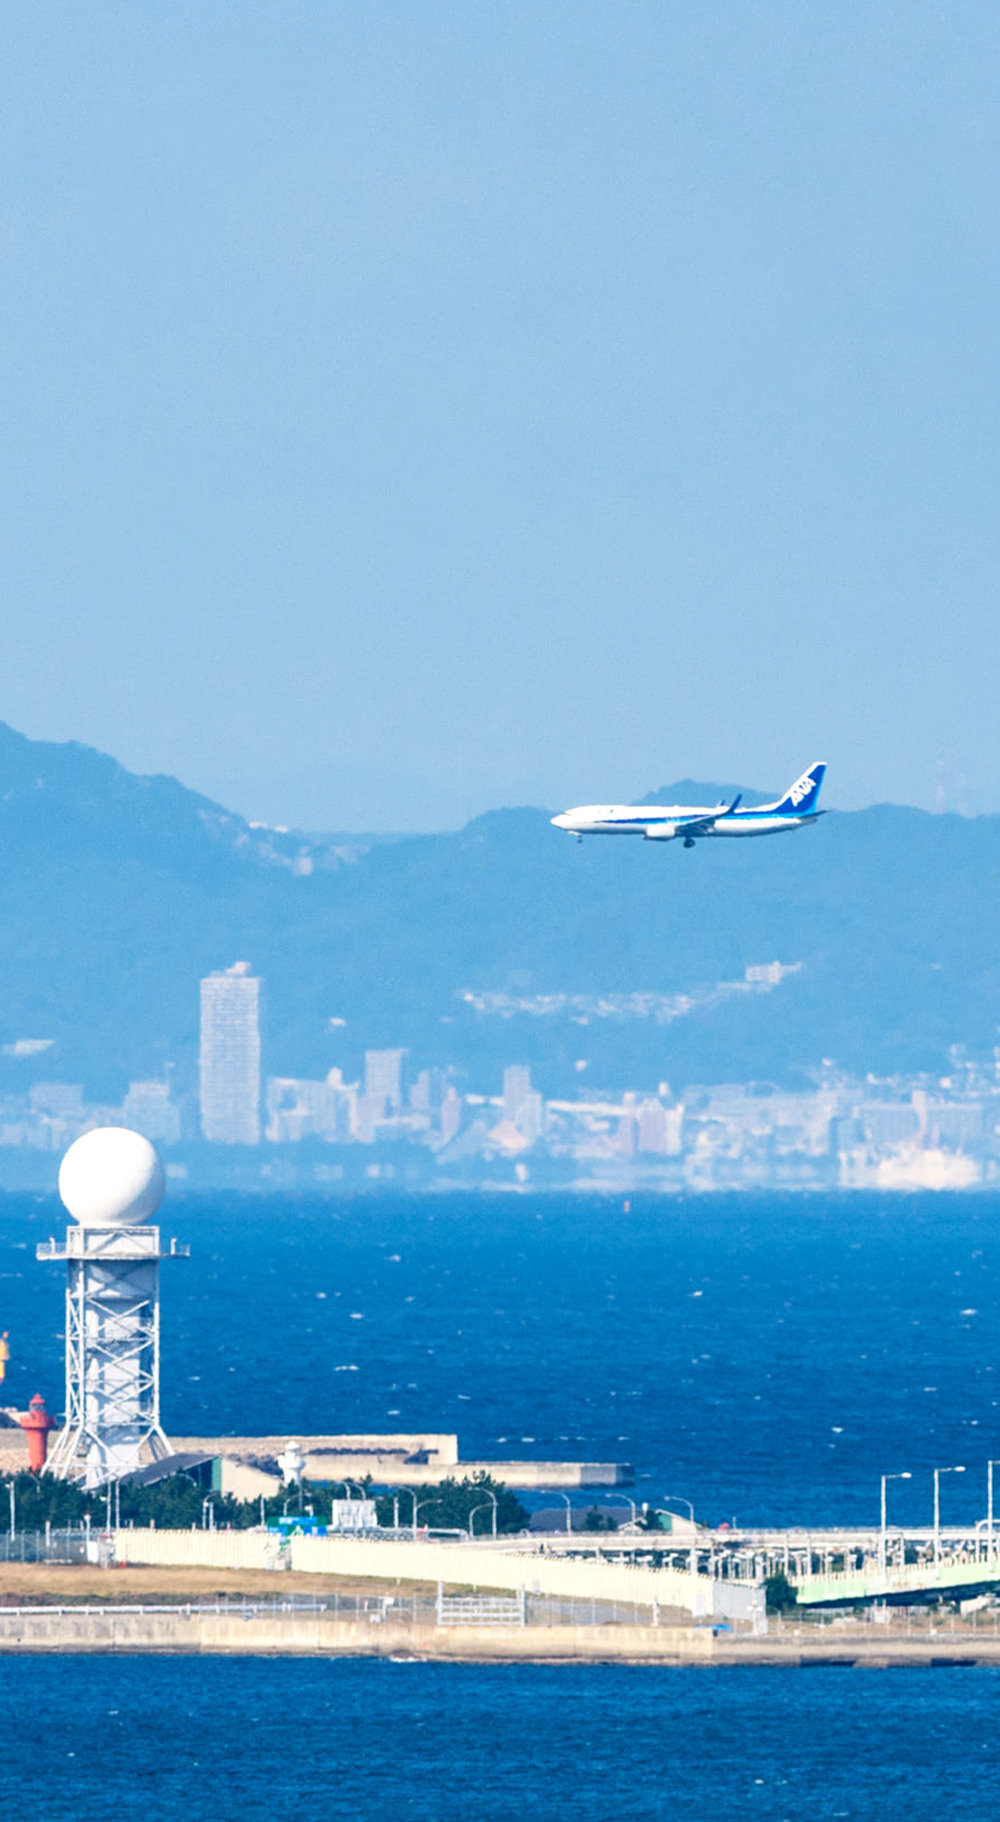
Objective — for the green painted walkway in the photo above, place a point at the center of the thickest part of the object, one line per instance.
(869, 1583)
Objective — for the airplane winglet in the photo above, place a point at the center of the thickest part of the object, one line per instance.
(737, 800)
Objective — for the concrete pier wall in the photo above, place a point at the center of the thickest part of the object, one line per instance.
(48, 1629)
(457, 1564)
(487, 1566)
(443, 1448)
(190, 1549)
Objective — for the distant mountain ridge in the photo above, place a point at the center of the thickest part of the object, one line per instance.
(47, 786)
(117, 893)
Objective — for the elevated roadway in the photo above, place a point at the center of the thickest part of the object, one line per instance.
(831, 1566)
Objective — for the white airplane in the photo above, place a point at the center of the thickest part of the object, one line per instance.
(689, 823)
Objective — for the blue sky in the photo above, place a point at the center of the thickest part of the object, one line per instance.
(412, 408)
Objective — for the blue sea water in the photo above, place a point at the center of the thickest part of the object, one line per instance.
(254, 1738)
(767, 1358)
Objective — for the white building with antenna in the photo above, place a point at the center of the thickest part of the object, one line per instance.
(111, 1181)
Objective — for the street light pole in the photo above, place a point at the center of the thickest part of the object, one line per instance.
(989, 1502)
(882, 1539)
(937, 1508)
(419, 1508)
(569, 1507)
(482, 1508)
(679, 1500)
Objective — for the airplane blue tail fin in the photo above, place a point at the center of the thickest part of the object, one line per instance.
(800, 799)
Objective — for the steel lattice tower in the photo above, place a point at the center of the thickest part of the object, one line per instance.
(112, 1327)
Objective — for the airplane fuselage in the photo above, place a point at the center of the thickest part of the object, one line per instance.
(657, 822)
(690, 823)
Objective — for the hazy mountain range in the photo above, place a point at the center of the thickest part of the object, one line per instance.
(118, 892)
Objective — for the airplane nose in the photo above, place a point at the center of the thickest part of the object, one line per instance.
(560, 822)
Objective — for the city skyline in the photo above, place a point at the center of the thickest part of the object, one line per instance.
(427, 1126)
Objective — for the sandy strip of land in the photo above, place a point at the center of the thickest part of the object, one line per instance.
(58, 1584)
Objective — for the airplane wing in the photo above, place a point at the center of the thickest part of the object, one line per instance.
(703, 825)
(697, 825)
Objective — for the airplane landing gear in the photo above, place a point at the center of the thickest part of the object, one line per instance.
(689, 841)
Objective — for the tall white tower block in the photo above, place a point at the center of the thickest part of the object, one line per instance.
(230, 1057)
(111, 1181)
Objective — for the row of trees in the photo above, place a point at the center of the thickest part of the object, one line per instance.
(179, 1502)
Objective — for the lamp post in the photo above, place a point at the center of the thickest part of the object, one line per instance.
(569, 1507)
(937, 1508)
(419, 1508)
(482, 1508)
(882, 1540)
(678, 1499)
(630, 1502)
(989, 1506)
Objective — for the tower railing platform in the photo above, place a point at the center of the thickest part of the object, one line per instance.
(98, 1243)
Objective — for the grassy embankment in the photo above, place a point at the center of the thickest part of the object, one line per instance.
(61, 1584)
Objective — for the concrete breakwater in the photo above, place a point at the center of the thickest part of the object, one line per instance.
(322, 1635)
(106, 1629)
(417, 1460)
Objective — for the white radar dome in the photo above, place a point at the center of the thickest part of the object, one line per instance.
(111, 1177)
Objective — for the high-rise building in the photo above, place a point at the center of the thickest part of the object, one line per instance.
(516, 1089)
(370, 1110)
(658, 1128)
(451, 1114)
(428, 1091)
(230, 1056)
(384, 1076)
(531, 1117)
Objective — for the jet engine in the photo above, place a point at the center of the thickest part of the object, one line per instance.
(660, 831)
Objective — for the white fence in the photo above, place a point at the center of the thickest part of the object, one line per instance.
(479, 1609)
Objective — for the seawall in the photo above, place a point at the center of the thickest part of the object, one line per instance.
(188, 1631)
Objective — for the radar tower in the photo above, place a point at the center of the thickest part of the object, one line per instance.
(111, 1181)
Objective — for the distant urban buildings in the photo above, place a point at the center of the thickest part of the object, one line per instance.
(384, 1077)
(229, 1057)
(299, 1109)
(430, 1126)
(149, 1109)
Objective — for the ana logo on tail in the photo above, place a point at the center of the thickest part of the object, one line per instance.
(805, 790)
